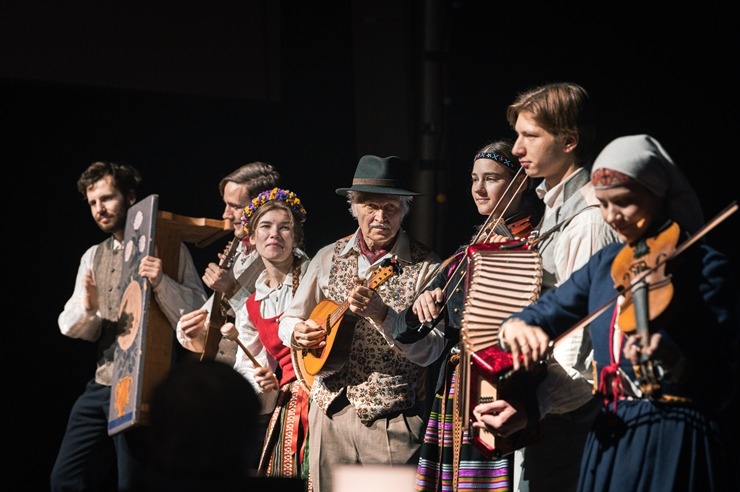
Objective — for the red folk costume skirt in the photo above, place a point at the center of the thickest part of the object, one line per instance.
(285, 452)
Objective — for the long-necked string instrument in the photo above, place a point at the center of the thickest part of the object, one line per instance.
(339, 332)
(217, 316)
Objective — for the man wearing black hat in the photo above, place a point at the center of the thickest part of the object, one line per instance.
(367, 393)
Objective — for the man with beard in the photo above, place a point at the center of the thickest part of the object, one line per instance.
(87, 454)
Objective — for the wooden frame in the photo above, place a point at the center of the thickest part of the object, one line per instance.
(144, 348)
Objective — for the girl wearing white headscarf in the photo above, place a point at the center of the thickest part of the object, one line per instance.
(643, 159)
(669, 432)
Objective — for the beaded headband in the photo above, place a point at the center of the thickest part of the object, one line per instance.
(274, 195)
(608, 178)
(494, 156)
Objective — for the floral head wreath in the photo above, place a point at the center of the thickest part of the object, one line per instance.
(274, 195)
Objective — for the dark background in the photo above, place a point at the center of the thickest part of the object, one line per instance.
(188, 94)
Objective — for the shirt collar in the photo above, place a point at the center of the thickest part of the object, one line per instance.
(400, 249)
(262, 290)
(554, 196)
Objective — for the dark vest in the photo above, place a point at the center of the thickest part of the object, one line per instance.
(107, 266)
(574, 202)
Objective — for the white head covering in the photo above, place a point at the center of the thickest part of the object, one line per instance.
(643, 159)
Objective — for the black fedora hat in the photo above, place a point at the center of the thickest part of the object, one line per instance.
(381, 175)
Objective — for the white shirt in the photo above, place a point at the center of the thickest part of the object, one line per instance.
(174, 297)
(569, 381)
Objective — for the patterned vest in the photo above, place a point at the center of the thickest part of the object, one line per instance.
(107, 266)
(376, 378)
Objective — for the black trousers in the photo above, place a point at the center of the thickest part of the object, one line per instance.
(88, 458)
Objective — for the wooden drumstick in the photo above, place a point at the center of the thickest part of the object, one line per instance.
(235, 338)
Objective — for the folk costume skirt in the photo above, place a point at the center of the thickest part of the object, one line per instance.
(285, 453)
(440, 468)
(656, 447)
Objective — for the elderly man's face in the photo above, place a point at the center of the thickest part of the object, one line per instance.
(379, 217)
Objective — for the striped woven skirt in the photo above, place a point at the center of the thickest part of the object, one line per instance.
(285, 453)
(436, 469)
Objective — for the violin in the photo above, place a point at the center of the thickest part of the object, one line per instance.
(638, 272)
(650, 294)
(514, 227)
(625, 269)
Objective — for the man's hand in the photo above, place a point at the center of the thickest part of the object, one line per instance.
(308, 334)
(151, 267)
(193, 323)
(219, 279)
(364, 301)
(90, 301)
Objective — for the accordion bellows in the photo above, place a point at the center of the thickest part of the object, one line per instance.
(501, 280)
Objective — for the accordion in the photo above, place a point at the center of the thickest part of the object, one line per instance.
(502, 279)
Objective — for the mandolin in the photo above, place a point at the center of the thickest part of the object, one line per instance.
(217, 316)
(339, 325)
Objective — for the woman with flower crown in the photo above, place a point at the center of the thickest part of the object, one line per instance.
(273, 222)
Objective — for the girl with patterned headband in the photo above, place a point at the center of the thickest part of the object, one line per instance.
(273, 222)
(449, 458)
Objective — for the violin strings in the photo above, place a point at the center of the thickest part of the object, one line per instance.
(732, 208)
(477, 237)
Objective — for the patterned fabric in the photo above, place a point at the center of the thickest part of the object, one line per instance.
(436, 469)
(107, 264)
(284, 452)
(378, 379)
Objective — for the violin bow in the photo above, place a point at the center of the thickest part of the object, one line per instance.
(499, 220)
